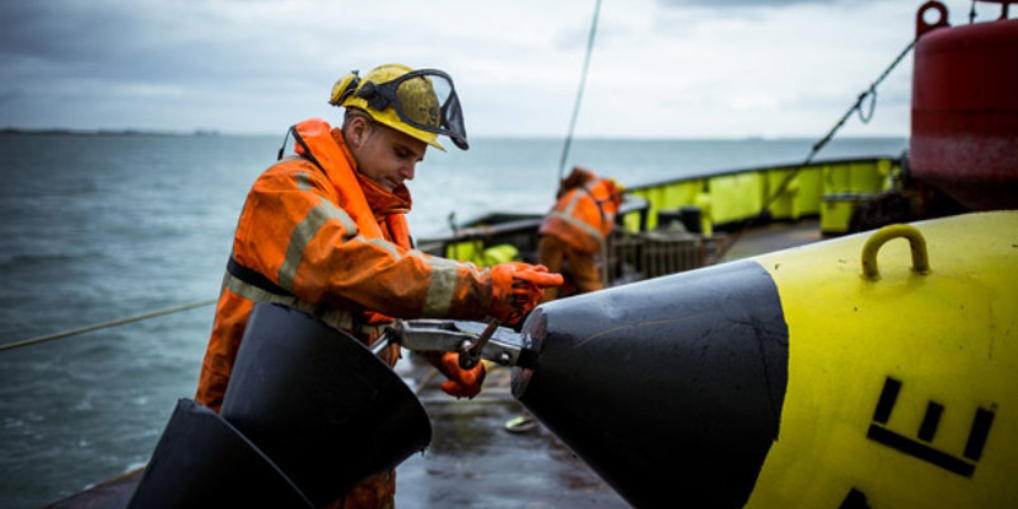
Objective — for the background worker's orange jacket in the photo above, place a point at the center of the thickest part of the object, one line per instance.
(585, 212)
(316, 235)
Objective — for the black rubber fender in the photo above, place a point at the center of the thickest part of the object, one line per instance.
(327, 410)
(203, 461)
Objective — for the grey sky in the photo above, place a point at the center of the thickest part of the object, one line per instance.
(662, 68)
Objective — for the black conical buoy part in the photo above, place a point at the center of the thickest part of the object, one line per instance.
(202, 461)
(327, 410)
(670, 389)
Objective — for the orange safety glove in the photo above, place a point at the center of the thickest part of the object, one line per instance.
(462, 383)
(517, 288)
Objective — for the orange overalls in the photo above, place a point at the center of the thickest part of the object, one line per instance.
(575, 228)
(316, 235)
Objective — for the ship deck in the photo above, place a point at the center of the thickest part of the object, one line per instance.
(472, 461)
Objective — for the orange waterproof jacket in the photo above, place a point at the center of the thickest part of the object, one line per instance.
(584, 214)
(316, 235)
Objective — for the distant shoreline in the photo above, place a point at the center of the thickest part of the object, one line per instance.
(60, 131)
(106, 132)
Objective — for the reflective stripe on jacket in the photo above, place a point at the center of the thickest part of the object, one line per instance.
(584, 215)
(336, 245)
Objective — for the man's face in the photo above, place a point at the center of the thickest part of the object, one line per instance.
(387, 156)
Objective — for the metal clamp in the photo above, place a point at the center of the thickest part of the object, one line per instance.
(473, 340)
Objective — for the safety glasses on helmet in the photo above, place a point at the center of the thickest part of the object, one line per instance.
(425, 99)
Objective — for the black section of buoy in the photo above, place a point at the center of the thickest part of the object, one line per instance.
(670, 389)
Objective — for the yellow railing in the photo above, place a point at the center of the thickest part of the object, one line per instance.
(828, 189)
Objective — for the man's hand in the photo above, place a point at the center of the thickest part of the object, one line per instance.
(517, 288)
(462, 383)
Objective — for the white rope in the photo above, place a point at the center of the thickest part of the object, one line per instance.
(105, 325)
(579, 93)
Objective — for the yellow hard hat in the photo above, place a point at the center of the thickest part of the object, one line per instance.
(421, 104)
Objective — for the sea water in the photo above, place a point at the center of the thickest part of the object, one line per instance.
(100, 227)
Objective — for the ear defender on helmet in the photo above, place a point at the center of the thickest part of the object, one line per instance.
(344, 88)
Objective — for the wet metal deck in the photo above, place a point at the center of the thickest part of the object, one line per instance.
(472, 461)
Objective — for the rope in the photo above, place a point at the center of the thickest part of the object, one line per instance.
(856, 107)
(105, 325)
(423, 384)
(579, 93)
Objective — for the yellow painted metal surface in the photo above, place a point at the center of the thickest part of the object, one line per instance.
(808, 199)
(836, 212)
(737, 196)
(785, 187)
(474, 251)
(844, 186)
(902, 388)
(856, 176)
(671, 196)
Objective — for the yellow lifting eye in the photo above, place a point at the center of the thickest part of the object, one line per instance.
(920, 258)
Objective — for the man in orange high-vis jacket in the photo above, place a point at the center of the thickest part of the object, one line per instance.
(573, 232)
(325, 231)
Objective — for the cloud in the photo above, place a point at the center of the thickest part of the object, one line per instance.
(659, 68)
(756, 4)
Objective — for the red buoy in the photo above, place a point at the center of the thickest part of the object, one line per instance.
(964, 139)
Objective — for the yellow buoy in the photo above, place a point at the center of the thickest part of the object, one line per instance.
(903, 379)
(873, 370)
